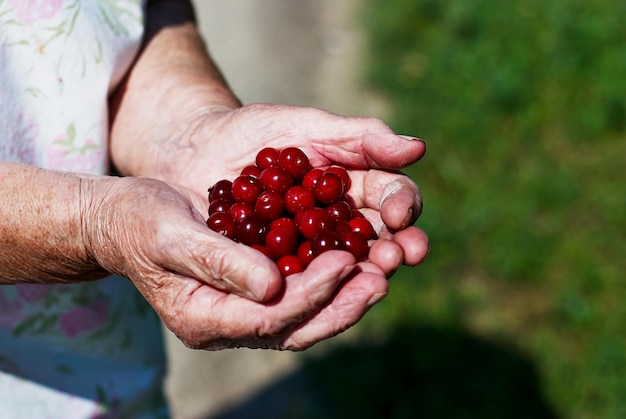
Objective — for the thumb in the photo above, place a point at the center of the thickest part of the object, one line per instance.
(227, 265)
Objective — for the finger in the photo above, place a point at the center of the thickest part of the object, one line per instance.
(223, 263)
(355, 297)
(307, 291)
(400, 204)
(356, 142)
(215, 260)
(413, 241)
(387, 255)
(395, 195)
(414, 244)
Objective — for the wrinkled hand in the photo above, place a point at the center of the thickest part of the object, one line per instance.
(218, 146)
(333, 293)
(155, 235)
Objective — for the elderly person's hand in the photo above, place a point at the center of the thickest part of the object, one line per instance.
(367, 147)
(206, 287)
(333, 292)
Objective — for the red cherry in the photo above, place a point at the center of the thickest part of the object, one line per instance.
(363, 226)
(342, 226)
(267, 157)
(297, 198)
(221, 190)
(294, 161)
(329, 188)
(252, 230)
(238, 211)
(311, 177)
(281, 241)
(298, 217)
(219, 205)
(343, 174)
(276, 179)
(222, 223)
(269, 205)
(284, 222)
(313, 220)
(289, 265)
(324, 241)
(305, 253)
(356, 244)
(340, 210)
(246, 189)
(357, 214)
(251, 170)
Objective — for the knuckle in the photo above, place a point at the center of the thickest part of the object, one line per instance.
(377, 124)
(268, 330)
(222, 265)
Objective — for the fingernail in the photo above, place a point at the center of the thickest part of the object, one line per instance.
(258, 282)
(376, 298)
(408, 137)
(391, 188)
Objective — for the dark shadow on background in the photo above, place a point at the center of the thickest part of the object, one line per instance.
(420, 372)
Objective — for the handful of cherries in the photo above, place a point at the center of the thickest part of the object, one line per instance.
(290, 211)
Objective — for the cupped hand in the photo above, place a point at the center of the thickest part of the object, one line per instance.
(155, 235)
(219, 143)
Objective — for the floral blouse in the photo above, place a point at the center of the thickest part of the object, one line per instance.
(93, 348)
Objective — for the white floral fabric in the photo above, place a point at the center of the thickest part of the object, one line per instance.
(90, 349)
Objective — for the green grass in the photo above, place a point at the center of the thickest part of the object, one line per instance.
(522, 106)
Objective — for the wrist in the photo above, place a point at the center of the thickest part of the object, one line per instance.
(173, 84)
(107, 227)
(42, 232)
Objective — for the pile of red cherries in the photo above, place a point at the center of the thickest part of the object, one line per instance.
(289, 210)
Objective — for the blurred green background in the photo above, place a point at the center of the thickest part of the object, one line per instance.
(520, 309)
